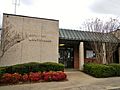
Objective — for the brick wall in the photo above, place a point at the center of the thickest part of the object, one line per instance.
(76, 57)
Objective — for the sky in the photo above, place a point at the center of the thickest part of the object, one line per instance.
(70, 13)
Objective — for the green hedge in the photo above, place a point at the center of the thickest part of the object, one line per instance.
(2, 70)
(117, 68)
(99, 70)
(53, 66)
(33, 67)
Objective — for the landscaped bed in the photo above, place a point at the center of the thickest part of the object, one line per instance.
(101, 70)
(32, 72)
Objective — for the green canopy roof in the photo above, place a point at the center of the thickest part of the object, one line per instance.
(68, 34)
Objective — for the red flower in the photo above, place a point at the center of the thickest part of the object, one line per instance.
(16, 77)
(35, 76)
(11, 78)
(25, 77)
(47, 76)
(54, 76)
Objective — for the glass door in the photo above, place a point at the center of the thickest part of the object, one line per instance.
(66, 57)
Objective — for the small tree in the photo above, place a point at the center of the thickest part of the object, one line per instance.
(10, 37)
(102, 27)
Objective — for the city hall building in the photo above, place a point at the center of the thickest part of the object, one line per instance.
(31, 39)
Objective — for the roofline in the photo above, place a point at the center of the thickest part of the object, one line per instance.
(64, 38)
(30, 17)
(81, 31)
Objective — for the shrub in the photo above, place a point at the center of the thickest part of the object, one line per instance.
(47, 76)
(99, 70)
(117, 68)
(54, 76)
(2, 70)
(23, 68)
(32, 76)
(6, 78)
(57, 76)
(10, 78)
(35, 76)
(25, 77)
(16, 77)
(34, 67)
(50, 66)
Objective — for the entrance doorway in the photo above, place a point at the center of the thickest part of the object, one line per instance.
(66, 56)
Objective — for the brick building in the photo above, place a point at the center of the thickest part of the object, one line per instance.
(41, 40)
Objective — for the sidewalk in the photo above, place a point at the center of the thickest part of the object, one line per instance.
(76, 81)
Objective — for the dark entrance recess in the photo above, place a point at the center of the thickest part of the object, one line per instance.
(68, 53)
(66, 56)
(116, 57)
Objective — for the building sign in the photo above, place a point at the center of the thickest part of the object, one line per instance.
(37, 37)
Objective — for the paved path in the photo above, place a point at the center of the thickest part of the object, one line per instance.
(77, 81)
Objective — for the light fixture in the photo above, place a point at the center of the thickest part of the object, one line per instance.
(61, 44)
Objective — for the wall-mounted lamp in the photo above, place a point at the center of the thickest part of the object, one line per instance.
(61, 44)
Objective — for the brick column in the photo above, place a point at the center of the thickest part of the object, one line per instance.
(76, 57)
(81, 55)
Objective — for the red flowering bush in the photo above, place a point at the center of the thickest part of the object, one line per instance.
(6, 78)
(10, 78)
(57, 76)
(54, 76)
(16, 77)
(35, 76)
(60, 76)
(25, 77)
(47, 76)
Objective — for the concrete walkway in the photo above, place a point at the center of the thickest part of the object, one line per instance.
(76, 81)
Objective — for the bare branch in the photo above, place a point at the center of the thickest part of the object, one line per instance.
(10, 37)
(102, 26)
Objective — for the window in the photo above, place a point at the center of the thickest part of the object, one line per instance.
(90, 54)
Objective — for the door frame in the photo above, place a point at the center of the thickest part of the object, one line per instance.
(68, 62)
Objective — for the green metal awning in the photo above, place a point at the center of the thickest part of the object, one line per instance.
(67, 34)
